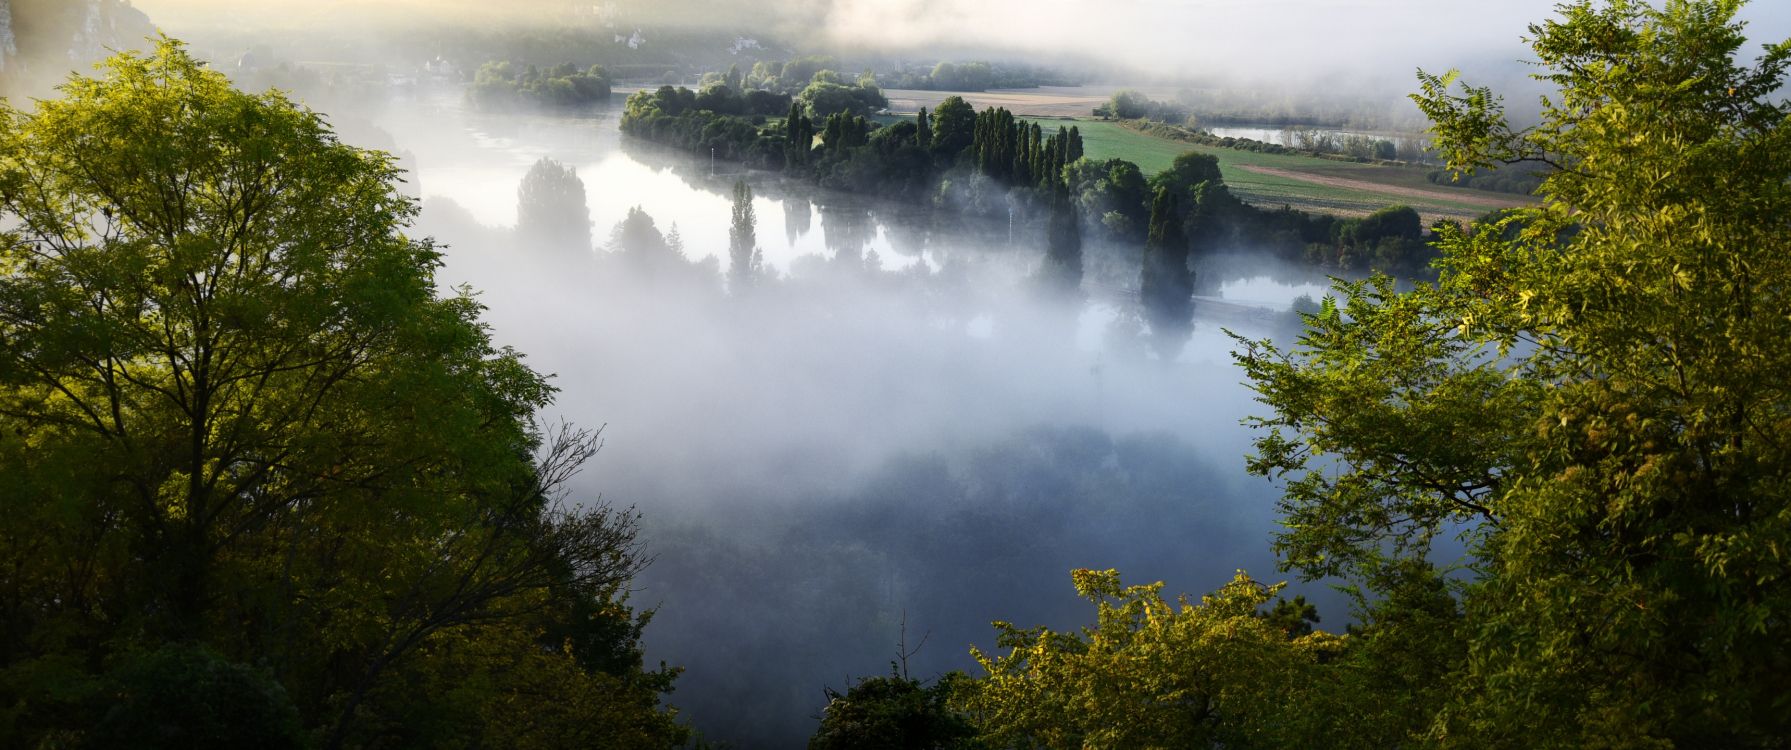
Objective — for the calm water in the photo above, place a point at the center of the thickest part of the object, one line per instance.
(1410, 147)
(854, 451)
(477, 159)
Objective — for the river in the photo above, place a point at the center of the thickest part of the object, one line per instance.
(899, 433)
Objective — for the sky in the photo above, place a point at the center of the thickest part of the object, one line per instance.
(1313, 39)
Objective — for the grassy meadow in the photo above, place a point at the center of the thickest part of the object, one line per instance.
(1304, 182)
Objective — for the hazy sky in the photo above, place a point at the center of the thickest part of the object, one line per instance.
(1306, 38)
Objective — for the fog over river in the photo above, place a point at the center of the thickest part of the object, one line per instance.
(900, 428)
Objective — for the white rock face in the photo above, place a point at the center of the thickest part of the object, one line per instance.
(86, 43)
(9, 47)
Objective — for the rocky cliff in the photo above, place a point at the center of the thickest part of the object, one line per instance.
(41, 41)
(9, 47)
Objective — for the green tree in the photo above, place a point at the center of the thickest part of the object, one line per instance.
(954, 127)
(894, 713)
(499, 84)
(801, 71)
(551, 207)
(1187, 172)
(745, 263)
(1166, 284)
(1129, 104)
(1294, 617)
(799, 136)
(827, 98)
(180, 697)
(1062, 271)
(1151, 673)
(1114, 190)
(236, 412)
(1592, 396)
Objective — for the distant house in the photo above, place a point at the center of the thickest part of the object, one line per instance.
(440, 68)
(634, 41)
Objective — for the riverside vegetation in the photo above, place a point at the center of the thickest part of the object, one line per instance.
(265, 484)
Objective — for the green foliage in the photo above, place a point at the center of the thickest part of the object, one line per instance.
(1166, 284)
(675, 116)
(236, 412)
(551, 208)
(802, 70)
(1151, 673)
(1591, 396)
(971, 76)
(974, 75)
(180, 697)
(1130, 104)
(827, 98)
(745, 262)
(799, 138)
(1517, 179)
(501, 84)
(1404, 659)
(954, 127)
(889, 161)
(1186, 172)
(725, 99)
(1017, 153)
(1390, 240)
(1295, 617)
(1115, 190)
(894, 713)
(1062, 271)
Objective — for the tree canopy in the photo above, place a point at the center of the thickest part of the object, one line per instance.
(1150, 673)
(1592, 397)
(502, 83)
(551, 208)
(239, 420)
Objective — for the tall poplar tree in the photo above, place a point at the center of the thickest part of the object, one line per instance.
(1165, 284)
(744, 258)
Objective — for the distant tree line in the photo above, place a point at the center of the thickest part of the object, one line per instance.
(673, 117)
(994, 164)
(971, 76)
(1130, 104)
(501, 84)
(1354, 145)
(1517, 179)
(1306, 142)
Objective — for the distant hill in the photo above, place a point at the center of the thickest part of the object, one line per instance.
(41, 41)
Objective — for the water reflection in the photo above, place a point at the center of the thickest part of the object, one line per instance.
(798, 217)
(847, 228)
(1293, 136)
(476, 160)
(747, 426)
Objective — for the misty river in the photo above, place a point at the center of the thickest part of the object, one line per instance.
(914, 438)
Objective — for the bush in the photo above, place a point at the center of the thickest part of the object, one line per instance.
(185, 697)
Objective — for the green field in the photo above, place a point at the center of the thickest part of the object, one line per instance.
(1383, 186)
(1370, 187)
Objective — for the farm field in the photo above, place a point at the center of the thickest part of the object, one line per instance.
(1303, 182)
(1306, 183)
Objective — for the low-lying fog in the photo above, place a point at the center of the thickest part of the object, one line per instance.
(902, 426)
